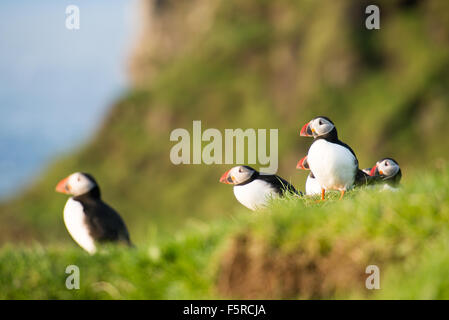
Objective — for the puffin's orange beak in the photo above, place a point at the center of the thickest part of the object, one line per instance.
(373, 171)
(225, 179)
(302, 164)
(62, 186)
(306, 131)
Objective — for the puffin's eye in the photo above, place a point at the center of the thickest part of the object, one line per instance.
(240, 170)
(386, 163)
(320, 122)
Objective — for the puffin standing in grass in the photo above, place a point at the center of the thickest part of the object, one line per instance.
(88, 219)
(254, 189)
(362, 178)
(333, 163)
(388, 172)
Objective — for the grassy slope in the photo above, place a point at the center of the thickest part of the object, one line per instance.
(326, 246)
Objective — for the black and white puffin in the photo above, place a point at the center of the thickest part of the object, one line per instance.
(312, 185)
(388, 172)
(333, 163)
(88, 219)
(254, 189)
(362, 178)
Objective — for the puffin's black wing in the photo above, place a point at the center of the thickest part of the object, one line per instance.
(105, 224)
(281, 185)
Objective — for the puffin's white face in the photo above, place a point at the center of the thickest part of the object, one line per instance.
(317, 127)
(237, 175)
(76, 184)
(387, 167)
(320, 126)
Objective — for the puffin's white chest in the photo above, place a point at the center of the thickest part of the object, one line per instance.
(255, 194)
(333, 165)
(312, 186)
(74, 219)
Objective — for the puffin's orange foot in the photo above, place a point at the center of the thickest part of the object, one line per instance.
(323, 192)
(342, 193)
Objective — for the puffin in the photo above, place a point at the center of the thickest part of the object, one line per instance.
(332, 162)
(387, 172)
(254, 189)
(362, 178)
(312, 185)
(88, 219)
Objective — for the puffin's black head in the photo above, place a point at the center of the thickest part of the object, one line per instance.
(238, 175)
(78, 184)
(387, 169)
(319, 127)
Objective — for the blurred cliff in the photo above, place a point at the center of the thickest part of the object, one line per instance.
(254, 64)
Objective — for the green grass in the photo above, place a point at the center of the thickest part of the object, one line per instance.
(174, 269)
(325, 245)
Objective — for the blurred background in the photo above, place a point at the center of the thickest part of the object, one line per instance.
(56, 84)
(105, 98)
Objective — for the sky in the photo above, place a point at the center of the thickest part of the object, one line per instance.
(56, 84)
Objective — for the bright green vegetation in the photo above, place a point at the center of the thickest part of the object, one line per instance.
(316, 250)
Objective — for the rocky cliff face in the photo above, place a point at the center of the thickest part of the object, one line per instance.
(170, 29)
